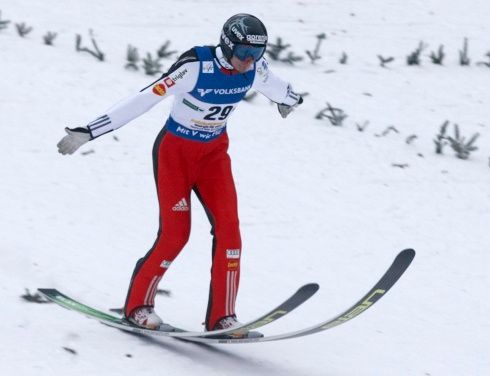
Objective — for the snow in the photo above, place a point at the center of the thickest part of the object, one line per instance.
(317, 202)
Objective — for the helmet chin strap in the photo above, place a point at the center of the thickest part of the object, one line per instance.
(222, 59)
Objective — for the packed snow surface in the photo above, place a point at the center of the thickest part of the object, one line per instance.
(317, 203)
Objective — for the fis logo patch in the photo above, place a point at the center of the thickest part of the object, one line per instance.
(165, 264)
(232, 253)
(207, 67)
(159, 89)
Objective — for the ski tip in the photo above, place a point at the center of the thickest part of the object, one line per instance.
(406, 256)
(409, 253)
(313, 287)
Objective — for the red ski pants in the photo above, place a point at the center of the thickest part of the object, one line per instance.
(182, 166)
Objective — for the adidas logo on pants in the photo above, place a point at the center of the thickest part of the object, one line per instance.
(181, 206)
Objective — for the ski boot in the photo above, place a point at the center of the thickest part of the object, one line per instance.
(230, 322)
(145, 317)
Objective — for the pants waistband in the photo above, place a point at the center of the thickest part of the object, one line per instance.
(179, 130)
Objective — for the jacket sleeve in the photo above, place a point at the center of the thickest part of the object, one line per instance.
(271, 86)
(180, 78)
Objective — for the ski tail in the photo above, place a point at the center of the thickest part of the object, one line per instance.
(68, 303)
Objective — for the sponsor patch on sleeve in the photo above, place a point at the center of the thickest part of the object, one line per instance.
(179, 74)
(159, 89)
(169, 82)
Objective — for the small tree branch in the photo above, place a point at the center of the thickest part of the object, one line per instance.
(438, 57)
(49, 38)
(464, 60)
(3, 23)
(23, 29)
(97, 53)
(385, 60)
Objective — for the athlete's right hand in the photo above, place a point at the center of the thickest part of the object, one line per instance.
(75, 138)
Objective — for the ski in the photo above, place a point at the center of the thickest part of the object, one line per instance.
(294, 301)
(391, 276)
(388, 280)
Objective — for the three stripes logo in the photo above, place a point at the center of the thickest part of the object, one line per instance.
(181, 206)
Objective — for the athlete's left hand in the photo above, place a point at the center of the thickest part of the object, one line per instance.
(285, 109)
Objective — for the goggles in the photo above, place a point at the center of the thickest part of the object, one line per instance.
(245, 51)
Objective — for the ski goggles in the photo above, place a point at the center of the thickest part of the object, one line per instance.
(245, 51)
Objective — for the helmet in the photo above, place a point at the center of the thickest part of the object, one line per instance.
(243, 35)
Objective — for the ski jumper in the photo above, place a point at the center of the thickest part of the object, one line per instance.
(190, 154)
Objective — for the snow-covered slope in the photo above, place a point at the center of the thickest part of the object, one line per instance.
(317, 203)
